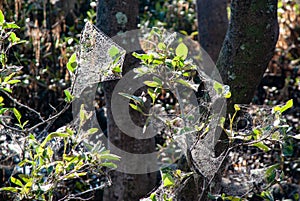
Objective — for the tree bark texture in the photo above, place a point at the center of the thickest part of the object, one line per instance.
(212, 25)
(248, 47)
(115, 17)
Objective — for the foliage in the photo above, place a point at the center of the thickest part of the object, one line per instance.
(173, 15)
(171, 67)
(44, 170)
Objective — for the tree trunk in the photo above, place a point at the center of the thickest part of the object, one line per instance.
(248, 47)
(115, 17)
(212, 25)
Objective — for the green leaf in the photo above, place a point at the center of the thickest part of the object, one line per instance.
(17, 114)
(281, 109)
(69, 96)
(13, 81)
(152, 94)
(262, 146)
(237, 107)
(187, 84)
(112, 157)
(2, 19)
(182, 50)
(218, 87)
(117, 69)
(152, 84)
(109, 165)
(271, 173)
(13, 37)
(72, 63)
(53, 135)
(113, 51)
(75, 175)
(287, 106)
(136, 107)
(156, 79)
(11, 25)
(92, 130)
(287, 149)
(82, 115)
(7, 78)
(227, 95)
(153, 197)
(167, 180)
(132, 97)
(16, 181)
(161, 46)
(11, 189)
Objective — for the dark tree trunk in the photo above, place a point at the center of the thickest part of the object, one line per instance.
(128, 187)
(248, 47)
(212, 25)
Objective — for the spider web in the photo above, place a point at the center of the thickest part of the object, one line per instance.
(95, 64)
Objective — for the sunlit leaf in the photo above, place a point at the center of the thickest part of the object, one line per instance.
(113, 51)
(109, 165)
(72, 63)
(182, 50)
(152, 84)
(167, 180)
(16, 181)
(262, 146)
(237, 107)
(53, 135)
(2, 19)
(11, 189)
(92, 130)
(136, 107)
(69, 96)
(112, 157)
(17, 114)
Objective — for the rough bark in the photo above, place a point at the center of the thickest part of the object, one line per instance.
(248, 47)
(212, 25)
(124, 186)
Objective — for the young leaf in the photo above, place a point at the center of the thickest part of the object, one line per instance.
(152, 94)
(17, 114)
(136, 107)
(69, 96)
(182, 51)
(161, 46)
(11, 25)
(152, 84)
(92, 130)
(187, 84)
(112, 157)
(72, 63)
(113, 51)
(16, 181)
(53, 135)
(218, 87)
(11, 189)
(167, 180)
(2, 19)
(237, 107)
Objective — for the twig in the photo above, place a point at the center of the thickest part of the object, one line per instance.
(24, 106)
